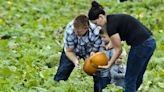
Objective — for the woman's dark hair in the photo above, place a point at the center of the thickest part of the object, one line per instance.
(95, 10)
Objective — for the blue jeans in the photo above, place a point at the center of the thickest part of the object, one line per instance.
(65, 68)
(100, 83)
(138, 60)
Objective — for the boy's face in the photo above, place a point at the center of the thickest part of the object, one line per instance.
(81, 31)
(105, 38)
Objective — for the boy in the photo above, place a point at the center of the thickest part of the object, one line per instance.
(102, 76)
(109, 75)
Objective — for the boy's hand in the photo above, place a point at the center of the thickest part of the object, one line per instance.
(76, 63)
(92, 53)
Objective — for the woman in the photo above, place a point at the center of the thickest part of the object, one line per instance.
(122, 27)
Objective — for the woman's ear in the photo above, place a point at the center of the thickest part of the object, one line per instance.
(101, 16)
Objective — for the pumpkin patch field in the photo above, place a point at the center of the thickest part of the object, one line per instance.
(31, 42)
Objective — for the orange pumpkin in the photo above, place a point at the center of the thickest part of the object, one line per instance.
(99, 58)
(94, 61)
(88, 68)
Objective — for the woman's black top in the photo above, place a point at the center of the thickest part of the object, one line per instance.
(130, 29)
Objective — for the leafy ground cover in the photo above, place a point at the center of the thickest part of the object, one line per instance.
(31, 41)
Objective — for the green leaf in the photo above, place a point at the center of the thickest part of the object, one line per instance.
(161, 85)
